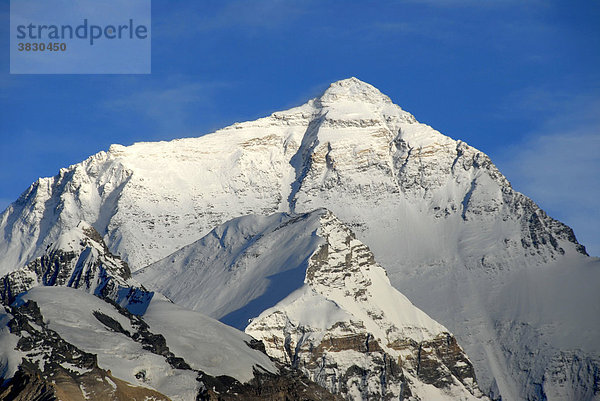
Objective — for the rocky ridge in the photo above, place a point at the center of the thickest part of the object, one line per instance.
(367, 340)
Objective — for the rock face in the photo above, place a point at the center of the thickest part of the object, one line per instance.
(441, 219)
(288, 385)
(351, 332)
(349, 148)
(79, 259)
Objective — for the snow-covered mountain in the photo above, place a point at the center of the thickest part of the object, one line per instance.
(335, 315)
(240, 268)
(440, 218)
(349, 148)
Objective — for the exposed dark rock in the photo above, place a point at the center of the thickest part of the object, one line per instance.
(110, 323)
(25, 387)
(98, 272)
(42, 374)
(287, 386)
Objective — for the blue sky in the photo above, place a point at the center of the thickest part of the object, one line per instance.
(519, 80)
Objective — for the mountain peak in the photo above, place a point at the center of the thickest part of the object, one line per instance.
(354, 90)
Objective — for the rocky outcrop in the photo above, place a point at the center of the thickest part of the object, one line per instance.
(351, 332)
(290, 385)
(439, 362)
(79, 259)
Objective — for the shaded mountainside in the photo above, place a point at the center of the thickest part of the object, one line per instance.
(446, 225)
(332, 311)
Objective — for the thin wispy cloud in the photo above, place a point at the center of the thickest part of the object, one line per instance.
(558, 164)
(437, 29)
(169, 106)
(558, 105)
(453, 22)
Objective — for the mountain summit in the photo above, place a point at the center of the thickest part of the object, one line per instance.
(440, 218)
(149, 199)
(353, 90)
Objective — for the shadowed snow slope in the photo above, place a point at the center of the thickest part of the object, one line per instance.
(438, 215)
(240, 268)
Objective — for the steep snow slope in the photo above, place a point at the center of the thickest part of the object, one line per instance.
(349, 148)
(536, 328)
(340, 322)
(440, 217)
(71, 336)
(240, 268)
(150, 199)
